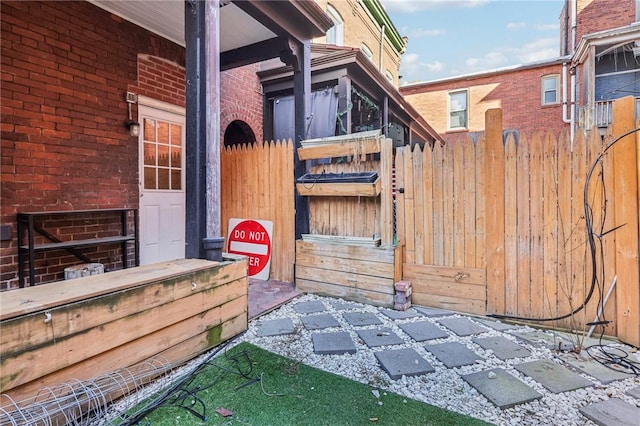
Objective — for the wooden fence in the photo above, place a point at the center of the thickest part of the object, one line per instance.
(257, 183)
(510, 213)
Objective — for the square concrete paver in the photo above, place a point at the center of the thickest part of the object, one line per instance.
(396, 315)
(423, 330)
(361, 318)
(276, 327)
(462, 326)
(594, 369)
(502, 347)
(309, 307)
(634, 392)
(553, 376)
(403, 362)
(344, 306)
(333, 343)
(496, 325)
(317, 322)
(613, 411)
(537, 338)
(453, 354)
(382, 336)
(433, 312)
(501, 388)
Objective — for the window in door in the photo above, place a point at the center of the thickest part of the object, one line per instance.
(162, 155)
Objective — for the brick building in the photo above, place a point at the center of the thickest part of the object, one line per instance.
(597, 63)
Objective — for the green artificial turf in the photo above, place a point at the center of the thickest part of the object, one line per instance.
(290, 393)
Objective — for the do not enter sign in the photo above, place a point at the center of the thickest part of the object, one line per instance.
(252, 238)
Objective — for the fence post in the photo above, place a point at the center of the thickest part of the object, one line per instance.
(494, 208)
(386, 197)
(625, 186)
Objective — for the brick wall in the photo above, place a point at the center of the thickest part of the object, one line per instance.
(518, 93)
(241, 99)
(599, 15)
(359, 27)
(65, 69)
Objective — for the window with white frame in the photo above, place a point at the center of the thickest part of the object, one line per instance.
(367, 52)
(458, 109)
(550, 89)
(335, 35)
(388, 75)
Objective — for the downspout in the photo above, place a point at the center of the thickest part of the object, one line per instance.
(571, 119)
(382, 28)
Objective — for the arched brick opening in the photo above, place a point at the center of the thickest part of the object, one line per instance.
(238, 132)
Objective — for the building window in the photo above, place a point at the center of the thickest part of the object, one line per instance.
(550, 85)
(389, 76)
(367, 52)
(335, 35)
(458, 110)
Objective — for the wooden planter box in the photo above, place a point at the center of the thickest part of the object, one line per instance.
(359, 273)
(82, 328)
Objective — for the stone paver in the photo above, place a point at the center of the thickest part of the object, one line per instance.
(317, 322)
(311, 307)
(552, 376)
(275, 327)
(502, 347)
(433, 312)
(501, 388)
(611, 412)
(344, 306)
(496, 325)
(333, 343)
(423, 330)
(453, 354)
(634, 392)
(361, 318)
(594, 369)
(403, 362)
(396, 315)
(462, 326)
(382, 336)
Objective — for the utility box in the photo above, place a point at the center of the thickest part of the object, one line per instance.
(83, 270)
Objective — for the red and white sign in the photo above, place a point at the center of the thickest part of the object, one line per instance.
(252, 238)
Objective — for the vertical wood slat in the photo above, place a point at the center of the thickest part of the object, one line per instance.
(524, 223)
(536, 220)
(564, 225)
(438, 203)
(544, 297)
(400, 194)
(427, 182)
(418, 207)
(627, 242)
(458, 204)
(386, 196)
(480, 213)
(510, 226)
(447, 198)
(409, 210)
(469, 211)
(494, 208)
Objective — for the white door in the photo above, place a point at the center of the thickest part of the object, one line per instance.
(162, 195)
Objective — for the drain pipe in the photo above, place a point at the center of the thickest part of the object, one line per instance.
(571, 118)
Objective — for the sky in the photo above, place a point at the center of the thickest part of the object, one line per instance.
(454, 37)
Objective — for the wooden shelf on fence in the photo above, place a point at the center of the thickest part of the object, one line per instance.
(340, 189)
(342, 240)
(340, 149)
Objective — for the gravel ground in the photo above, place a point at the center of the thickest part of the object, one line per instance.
(444, 388)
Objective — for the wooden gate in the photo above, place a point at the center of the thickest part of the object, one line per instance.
(498, 225)
(258, 183)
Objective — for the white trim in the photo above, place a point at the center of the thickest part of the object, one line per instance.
(556, 78)
(466, 109)
(160, 105)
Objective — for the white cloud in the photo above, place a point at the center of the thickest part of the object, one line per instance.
(413, 69)
(410, 6)
(547, 27)
(538, 50)
(424, 32)
(516, 25)
(492, 59)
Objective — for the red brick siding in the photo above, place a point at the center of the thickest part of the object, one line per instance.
(601, 15)
(520, 96)
(241, 99)
(65, 69)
